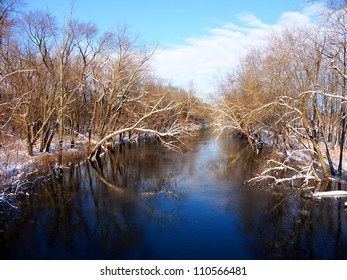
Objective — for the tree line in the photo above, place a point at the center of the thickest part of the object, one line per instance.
(64, 79)
(290, 96)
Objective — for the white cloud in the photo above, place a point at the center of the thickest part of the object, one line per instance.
(292, 18)
(204, 58)
(252, 21)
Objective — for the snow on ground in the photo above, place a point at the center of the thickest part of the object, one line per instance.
(19, 172)
(13, 157)
(335, 157)
(15, 164)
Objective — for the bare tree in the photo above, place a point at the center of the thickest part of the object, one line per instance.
(61, 80)
(138, 126)
(278, 97)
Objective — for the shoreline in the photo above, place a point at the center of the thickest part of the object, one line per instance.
(19, 173)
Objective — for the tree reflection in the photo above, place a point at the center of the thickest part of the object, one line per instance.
(139, 199)
(134, 171)
(284, 224)
(294, 227)
(102, 216)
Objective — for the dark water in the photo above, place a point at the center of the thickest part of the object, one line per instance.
(150, 203)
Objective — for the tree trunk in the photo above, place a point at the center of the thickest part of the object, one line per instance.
(28, 139)
(342, 143)
(331, 165)
(343, 112)
(320, 159)
(72, 132)
(315, 146)
(49, 140)
(44, 136)
(61, 112)
(30, 149)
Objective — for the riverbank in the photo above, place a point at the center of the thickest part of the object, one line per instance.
(190, 197)
(19, 173)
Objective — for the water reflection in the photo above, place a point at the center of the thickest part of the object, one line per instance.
(144, 202)
(305, 229)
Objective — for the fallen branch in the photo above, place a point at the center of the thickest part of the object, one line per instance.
(277, 181)
(171, 132)
(305, 173)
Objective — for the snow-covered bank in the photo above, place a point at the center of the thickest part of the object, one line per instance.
(19, 173)
(296, 162)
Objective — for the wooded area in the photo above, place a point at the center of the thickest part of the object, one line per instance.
(62, 79)
(290, 96)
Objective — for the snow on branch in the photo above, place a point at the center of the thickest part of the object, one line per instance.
(343, 98)
(305, 173)
(343, 75)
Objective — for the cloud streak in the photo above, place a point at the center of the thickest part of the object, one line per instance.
(203, 59)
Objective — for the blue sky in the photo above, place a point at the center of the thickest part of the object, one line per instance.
(167, 21)
(197, 39)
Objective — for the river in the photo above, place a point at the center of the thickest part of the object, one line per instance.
(150, 203)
